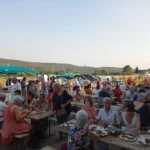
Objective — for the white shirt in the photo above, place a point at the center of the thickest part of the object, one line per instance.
(108, 117)
(2, 109)
(129, 95)
(97, 92)
(15, 87)
(123, 88)
(75, 82)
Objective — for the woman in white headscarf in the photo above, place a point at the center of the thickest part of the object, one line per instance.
(14, 123)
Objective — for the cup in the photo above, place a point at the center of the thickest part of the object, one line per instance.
(123, 129)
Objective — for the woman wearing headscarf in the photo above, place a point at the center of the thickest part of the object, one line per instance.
(14, 123)
(78, 135)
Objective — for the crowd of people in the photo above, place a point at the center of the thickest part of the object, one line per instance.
(56, 97)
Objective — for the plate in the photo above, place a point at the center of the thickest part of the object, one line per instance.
(69, 124)
(142, 141)
(102, 134)
(95, 128)
(125, 138)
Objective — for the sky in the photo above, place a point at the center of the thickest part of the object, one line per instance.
(97, 33)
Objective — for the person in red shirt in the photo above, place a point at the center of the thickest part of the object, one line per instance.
(117, 93)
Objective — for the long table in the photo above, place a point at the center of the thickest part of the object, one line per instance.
(110, 140)
(39, 116)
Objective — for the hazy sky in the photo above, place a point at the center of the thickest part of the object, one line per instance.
(82, 32)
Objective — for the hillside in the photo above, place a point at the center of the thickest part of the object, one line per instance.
(59, 67)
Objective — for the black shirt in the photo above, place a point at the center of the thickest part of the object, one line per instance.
(62, 99)
(103, 94)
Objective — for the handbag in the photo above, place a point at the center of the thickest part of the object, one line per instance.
(62, 112)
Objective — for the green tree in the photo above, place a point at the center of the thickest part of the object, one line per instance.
(68, 70)
(136, 70)
(104, 72)
(51, 70)
(127, 70)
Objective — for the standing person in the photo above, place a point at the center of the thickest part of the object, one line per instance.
(123, 87)
(33, 88)
(2, 108)
(52, 82)
(99, 82)
(49, 96)
(117, 93)
(23, 86)
(43, 87)
(48, 83)
(16, 86)
(97, 90)
(61, 102)
(108, 82)
(59, 80)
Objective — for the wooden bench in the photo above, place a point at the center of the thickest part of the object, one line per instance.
(18, 140)
(20, 136)
(48, 148)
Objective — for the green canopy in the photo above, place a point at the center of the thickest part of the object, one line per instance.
(71, 75)
(15, 69)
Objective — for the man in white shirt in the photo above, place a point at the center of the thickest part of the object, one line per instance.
(2, 108)
(16, 86)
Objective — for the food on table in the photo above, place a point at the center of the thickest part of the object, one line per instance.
(129, 138)
(147, 141)
(93, 128)
(98, 131)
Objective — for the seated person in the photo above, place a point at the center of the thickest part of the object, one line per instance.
(14, 123)
(90, 109)
(2, 108)
(106, 115)
(102, 94)
(42, 104)
(109, 90)
(78, 135)
(30, 101)
(41, 126)
(130, 93)
(143, 110)
(117, 93)
(78, 96)
(18, 92)
(130, 119)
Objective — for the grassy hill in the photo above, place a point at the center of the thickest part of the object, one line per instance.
(59, 67)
